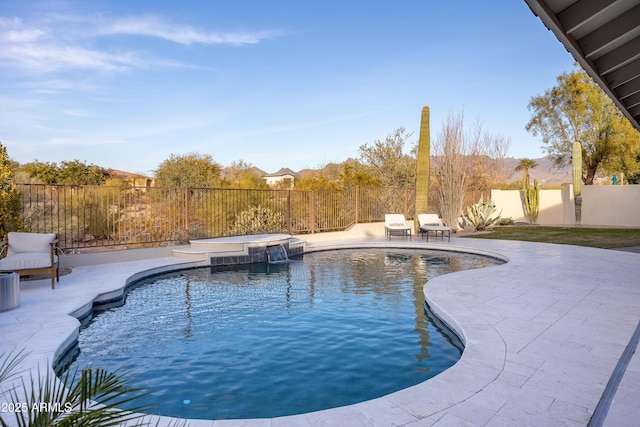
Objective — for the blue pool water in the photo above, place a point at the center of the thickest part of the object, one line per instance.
(326, 330)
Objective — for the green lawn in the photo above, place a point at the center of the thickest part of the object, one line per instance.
(595, 237)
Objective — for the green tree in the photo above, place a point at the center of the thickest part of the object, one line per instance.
(44, 172)
(576, 109)
(627, 158)
(633, 177)
(72, 172)
(75, 172)
(355, 173)
(241, 174)
(524, 165)
(192, 170)
(10, 204)
(334, 177)
(386, 162)
(316, 181)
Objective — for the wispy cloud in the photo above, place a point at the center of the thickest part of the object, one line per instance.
(152, 26)
(12, 30)
(44, 50)
(57, 85)
(83, 142)
(65, 42)
(77, 113)
(49, 57)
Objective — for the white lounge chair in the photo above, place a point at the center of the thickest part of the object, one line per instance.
(396, 224)
(30, 253)
(432, 223)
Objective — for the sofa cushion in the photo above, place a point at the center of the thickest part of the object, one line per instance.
(26, 261)
(29, 242)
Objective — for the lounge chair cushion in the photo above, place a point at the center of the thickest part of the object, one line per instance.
(30, 242)
(429, 220)
(394, 220)
(26, 261)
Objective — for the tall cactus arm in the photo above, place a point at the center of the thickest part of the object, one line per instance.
(576, 165)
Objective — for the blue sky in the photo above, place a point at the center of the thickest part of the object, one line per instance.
(282, 83)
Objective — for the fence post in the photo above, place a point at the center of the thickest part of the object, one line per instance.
(186, 212)
(357, 204)
(312, 212)
(406, 203)
(289, 211)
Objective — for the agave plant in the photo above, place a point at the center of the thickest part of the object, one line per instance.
(482, 214)
(90, 397)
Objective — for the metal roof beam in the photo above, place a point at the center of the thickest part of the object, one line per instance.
(613, 33)
(581, 12)
(618, 58)
(628, 89)
(633, 100)
(623, 74)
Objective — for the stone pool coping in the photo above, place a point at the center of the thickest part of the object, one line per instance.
(543, 335)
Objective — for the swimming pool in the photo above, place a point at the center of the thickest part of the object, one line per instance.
(330, 329)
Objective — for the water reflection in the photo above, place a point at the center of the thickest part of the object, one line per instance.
(330, 329)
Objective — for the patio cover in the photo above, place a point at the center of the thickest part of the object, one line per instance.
(604, 37)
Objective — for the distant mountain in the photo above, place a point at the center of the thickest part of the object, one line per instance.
(282, 172)
(257, 171)
(546, 172)
(330, 169)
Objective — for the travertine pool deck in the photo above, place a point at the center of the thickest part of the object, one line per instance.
(544, 333)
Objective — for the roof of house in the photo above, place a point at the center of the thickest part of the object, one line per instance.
(604, 37)
(282, 172)
(127, 175)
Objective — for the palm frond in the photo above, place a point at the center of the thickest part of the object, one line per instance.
(90, 397)
(9, 362)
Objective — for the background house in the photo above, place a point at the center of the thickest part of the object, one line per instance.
(133, 179)
(283, 178)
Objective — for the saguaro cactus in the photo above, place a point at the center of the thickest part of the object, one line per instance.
(423, 165)
(531, 197)
(576, 165)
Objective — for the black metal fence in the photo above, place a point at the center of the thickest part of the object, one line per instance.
(101, 216)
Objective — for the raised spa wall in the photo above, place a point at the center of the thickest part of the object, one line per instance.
(225, 250)
(242, 249)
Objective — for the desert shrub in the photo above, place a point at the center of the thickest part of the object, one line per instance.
(505, 221)
(258, 219)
